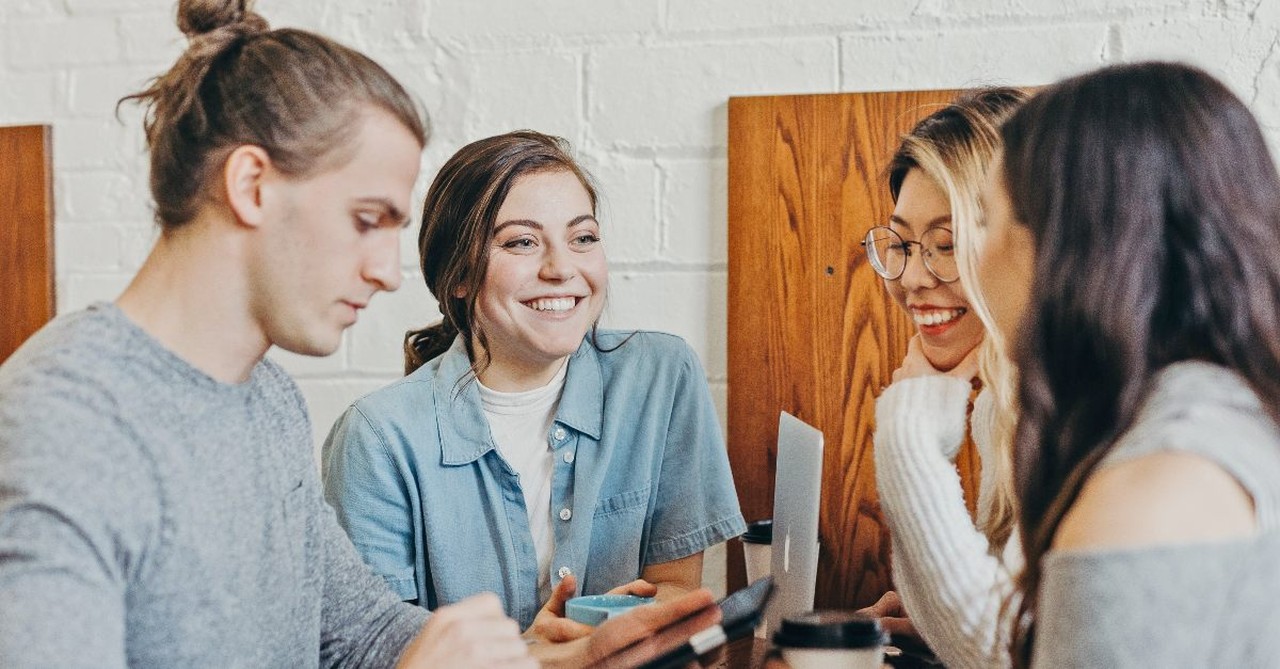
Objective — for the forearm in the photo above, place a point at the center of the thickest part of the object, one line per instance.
(675, 578)
(951, 584)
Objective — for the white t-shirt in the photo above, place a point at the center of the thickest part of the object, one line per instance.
(520, 423)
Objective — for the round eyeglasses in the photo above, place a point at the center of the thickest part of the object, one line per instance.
(888, 252)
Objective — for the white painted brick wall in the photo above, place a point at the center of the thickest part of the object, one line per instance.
(639, 87)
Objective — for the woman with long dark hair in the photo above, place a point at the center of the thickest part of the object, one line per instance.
(527, 451)
(1130, 260)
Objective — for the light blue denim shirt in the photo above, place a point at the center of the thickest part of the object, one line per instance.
(433, 507)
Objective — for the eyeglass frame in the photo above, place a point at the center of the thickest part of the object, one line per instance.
(907, 251)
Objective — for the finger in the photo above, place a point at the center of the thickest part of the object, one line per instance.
(562, 593)
(638, 587)
(658, 616)
(890, 604)
(643, 622)
(898, 626)
(643, 645)
(483, 605)
(558, 630)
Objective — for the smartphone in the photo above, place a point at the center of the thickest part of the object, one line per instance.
(740, 613)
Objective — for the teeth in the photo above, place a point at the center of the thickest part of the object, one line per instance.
(936, 317)
(553, 304)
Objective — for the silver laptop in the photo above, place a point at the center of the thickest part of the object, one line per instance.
(796, 494)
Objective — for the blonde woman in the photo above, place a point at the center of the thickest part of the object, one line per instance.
(952, 572)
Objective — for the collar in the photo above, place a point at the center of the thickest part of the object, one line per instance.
(460, 420)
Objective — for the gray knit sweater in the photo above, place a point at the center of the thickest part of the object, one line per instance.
(151, 516)
(1204, 604)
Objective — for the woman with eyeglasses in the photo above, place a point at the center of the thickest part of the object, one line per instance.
(951, 571)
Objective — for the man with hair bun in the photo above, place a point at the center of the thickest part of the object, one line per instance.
(159, 500)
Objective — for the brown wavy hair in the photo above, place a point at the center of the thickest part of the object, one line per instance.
(458, 220)
(292, 92)
(1154, 206)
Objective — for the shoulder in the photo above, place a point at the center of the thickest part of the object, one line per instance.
(642, 347)
(413, 393)
(402, 406)
(66, 428)
(1167, 497)
(1200, 462)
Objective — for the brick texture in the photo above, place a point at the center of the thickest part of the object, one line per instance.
(639, 86)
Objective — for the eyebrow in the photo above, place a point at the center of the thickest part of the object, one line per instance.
(940, 220)
(393, 212)
(578, 220)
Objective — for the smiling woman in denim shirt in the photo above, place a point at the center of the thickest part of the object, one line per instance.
(528, 452)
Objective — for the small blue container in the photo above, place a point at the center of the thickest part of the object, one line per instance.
(595, 609)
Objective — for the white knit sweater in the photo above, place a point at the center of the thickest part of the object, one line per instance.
(950, 583)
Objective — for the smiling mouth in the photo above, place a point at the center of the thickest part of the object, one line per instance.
(553, 304)
(937, 316)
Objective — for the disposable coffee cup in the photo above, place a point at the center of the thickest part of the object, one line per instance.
(756, 548)
(831, 640)
(757, 545)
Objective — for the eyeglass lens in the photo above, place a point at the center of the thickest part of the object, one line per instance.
(888, 251)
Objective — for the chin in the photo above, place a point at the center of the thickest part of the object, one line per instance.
(314, 346)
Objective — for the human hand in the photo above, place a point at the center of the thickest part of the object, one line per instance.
(550, 625)
(893, 615)
(472, 633)
(916, 364)
(644, 632)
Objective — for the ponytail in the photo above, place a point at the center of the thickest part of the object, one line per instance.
(430, 342)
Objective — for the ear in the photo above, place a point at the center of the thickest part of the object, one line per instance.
(460, 292)
(242, 177)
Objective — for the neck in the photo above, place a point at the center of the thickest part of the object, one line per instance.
(191, 295)
(513, 376)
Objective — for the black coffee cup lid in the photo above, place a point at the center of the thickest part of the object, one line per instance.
(830, 629)
(759, 532)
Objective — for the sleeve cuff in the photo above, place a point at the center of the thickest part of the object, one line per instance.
(924, 410)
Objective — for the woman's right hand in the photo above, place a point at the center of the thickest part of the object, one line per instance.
(916, 364)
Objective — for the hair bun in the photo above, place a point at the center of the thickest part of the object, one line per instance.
(199, 17)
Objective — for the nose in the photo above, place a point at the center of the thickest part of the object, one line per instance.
(915, 276)
(557, 265)
(382, 262)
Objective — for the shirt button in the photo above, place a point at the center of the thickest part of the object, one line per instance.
(568, 457)
(564, 571)
(559, 433)
(565, 514)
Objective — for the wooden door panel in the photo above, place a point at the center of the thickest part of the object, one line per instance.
(26, 233)
(811, 329)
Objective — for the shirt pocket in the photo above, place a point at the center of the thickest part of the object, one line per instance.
(617, 537)
(624, 502)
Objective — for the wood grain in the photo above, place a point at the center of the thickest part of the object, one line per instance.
(811, 329)
(26, 233)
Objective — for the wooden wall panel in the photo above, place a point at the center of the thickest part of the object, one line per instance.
(811, 329)
(26, 233)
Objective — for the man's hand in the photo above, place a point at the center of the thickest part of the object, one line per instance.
(472, 633)
(644, 633)
(550, 625)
